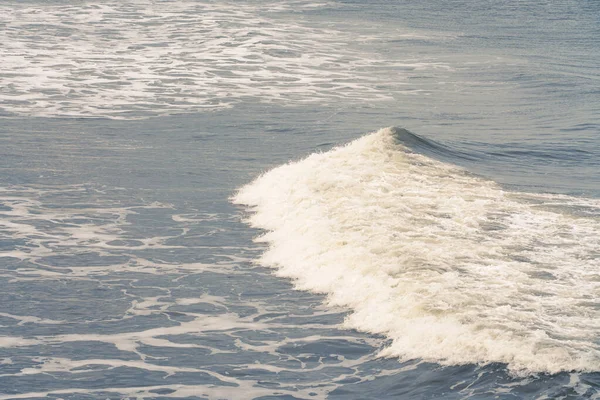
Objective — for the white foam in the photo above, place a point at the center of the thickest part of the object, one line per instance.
(144, 57)
(26, 319)
(244, 389)
(449, 266)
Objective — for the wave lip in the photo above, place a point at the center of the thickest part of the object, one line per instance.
(449, 266)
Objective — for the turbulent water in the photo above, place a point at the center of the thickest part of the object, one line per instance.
(296, 199)
(449, 266)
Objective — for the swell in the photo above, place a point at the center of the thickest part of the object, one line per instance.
(450, 267)
(430, 147)
(539, 152)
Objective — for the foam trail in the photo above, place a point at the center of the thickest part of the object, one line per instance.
(449, 266)
(144, 58)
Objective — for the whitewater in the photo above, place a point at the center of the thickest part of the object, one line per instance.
(448, 265)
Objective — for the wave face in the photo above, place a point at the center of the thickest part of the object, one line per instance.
(449, 266)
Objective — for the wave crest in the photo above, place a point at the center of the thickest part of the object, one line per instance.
(449, 266)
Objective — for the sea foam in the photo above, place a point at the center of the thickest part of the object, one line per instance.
(144, 58)
(449, 266)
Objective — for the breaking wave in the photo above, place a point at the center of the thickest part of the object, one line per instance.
(449, 266)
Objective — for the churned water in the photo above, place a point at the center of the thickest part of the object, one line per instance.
(299, 199)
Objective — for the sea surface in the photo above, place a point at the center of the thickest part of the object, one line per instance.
(299, 199)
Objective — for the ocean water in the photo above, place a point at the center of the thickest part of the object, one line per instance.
(299, 199)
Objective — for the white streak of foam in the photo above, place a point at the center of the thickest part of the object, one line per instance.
(56, 364)
(26, 319)
(449, 266)
(243, 390)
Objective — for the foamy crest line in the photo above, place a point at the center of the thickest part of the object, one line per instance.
(449, 266)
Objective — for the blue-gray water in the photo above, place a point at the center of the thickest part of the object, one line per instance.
(128, 269)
